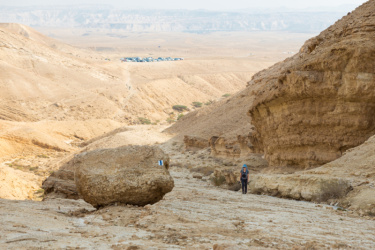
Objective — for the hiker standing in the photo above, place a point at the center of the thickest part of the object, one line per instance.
(244, 177)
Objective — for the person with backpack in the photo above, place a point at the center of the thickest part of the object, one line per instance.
(244, 177)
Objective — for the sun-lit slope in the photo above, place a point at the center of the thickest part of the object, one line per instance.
(227, 118)
(19, 139)
(42, 78)
(34, 35)
(159, 86)
(40, 82)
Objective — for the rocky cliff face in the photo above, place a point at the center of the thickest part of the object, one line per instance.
(193, 143)
(320, 102)
(227, 148)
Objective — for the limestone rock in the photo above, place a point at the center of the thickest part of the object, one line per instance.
(220, 147)
(232, 148)
(231, 174)
(300, 187)
(319, 103)
(193, 143)
(198, 176)
(128, 174)
(60, 184)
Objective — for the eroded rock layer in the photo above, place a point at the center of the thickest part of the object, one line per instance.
(226, 148)
(320, 102)
(193, 143)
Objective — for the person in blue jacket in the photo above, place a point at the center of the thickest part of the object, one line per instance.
(244, 177)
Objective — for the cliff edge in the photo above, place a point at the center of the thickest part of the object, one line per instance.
(319, 103)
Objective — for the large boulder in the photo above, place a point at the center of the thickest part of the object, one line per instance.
(317, 104)
(128, 174)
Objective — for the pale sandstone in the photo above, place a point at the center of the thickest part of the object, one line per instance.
(193, 143)
(232, 148)
(300, 187)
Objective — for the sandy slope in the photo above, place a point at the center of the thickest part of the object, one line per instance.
(45, 79)
(227, 118)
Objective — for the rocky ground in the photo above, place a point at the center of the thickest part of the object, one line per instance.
(195, 215)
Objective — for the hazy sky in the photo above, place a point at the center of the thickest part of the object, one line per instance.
(191, 4)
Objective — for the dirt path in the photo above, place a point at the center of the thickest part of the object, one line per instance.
(194, 215)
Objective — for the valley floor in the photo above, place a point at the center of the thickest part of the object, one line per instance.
(195, 215)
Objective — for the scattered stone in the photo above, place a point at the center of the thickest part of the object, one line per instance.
(197, 176)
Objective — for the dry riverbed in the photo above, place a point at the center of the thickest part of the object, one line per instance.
(195, 215)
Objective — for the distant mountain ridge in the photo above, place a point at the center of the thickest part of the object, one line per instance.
(196, 21)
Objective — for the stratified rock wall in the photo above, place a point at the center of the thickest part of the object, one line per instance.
(320, 102)
(193, 143)
(227, 148)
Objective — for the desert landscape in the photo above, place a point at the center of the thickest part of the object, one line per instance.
(96, 153)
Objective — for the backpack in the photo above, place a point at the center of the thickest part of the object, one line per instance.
(243, 175)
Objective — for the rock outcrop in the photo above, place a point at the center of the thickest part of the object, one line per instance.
(300, 187)
(128, 174)
(320, 102)
(227, 148)
(193, 143)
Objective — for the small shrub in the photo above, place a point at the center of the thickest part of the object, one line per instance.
(39, 191)
(209, 102)
(143, 120)
(218, 181)
(180, 108)
(180, 116)
(42, 156)
(197, 104)
(170, 120)
(226, 95)
(33, 169)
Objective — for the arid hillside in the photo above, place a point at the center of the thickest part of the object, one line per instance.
(43, 79)
(79, 84)
(40, 82)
